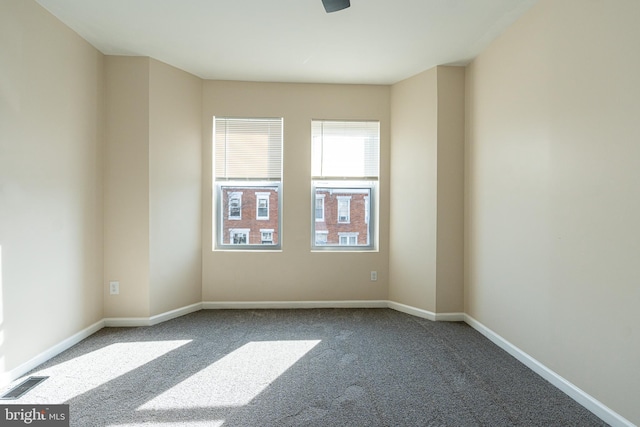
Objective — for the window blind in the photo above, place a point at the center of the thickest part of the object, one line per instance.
(345, 149)
(248, 148)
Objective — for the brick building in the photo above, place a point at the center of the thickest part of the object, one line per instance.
(342, 217)
(250, 216)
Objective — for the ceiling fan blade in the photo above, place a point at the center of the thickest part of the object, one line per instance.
(335, 5)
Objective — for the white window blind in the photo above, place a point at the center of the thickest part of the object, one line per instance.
(345, 149)
(248, 148)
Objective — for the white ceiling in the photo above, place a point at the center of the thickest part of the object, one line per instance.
(372, 42)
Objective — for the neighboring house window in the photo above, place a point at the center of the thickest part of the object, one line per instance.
(238, 236)
(349, 239)
(321, 238)
(367, 207)
(235, 205)
(262, 203)
(247, 178)
(345, 158)
(344, 209)
(266, 237)
(319, 207)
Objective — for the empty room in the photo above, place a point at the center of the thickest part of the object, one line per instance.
(308, 212)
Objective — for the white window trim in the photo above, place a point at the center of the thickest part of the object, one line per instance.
(262, 196)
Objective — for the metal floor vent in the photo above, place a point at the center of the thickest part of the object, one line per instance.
(22, 388)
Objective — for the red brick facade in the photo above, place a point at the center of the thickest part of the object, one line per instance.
(351, 224)
(248, 218)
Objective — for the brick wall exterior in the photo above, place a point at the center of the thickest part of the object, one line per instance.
(249, 208)
(357, 213)
(249, 211)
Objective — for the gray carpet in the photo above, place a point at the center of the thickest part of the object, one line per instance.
(315, 367)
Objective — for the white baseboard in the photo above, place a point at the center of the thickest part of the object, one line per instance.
(163, 317)
(17, 372)
(130, 322)
(126, 322)
(220, 305)
(589, 402)
(450, 317)
(412, 310)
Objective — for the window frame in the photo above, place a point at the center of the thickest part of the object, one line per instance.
(371, 224)
(219, 216)
(328, 172)
(235, 142)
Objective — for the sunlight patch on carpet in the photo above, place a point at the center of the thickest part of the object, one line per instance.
(235, 379)
(81, 374)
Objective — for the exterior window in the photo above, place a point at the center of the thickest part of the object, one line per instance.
(263, 206)
(266, 237)
(345, 168)
(238, 236)
(321, 237)
(319, 207)
(367, 206)
(344, 209)
(235, 205)
(349, 239)
(247, 179)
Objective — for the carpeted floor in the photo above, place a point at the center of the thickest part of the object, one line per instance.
(315, 367)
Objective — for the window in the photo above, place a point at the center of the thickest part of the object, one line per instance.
(266, 237)
(344, 209)
(235, 205)
(262, 211)
(348, 239)
(321, 237)
(319, 207)
(247, 179)
(345, 168)
(238, 236)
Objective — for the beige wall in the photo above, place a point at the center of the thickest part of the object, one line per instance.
(450, 187)
(427, 191)
(553, 194)
(50, 183)
(414, 178)
(175, 209)
(152, 187)
(126, 197)
(295, 273)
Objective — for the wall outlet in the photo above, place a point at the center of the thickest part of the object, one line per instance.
(374, 276)
(114, 288)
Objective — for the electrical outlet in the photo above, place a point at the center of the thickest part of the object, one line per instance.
(374, 276)
(114, 288)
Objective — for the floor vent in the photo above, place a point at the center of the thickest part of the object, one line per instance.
(22, 388)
